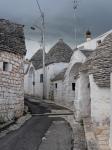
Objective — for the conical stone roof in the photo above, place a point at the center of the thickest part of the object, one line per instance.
(60, 52)
(100, 63)
(12, 37)
(37, 59)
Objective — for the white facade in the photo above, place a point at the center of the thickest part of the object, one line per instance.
(67, 87)
(94, 101)
(52, 70)
(58, 92)
(82, 98)
(87, 99)
(91, 100)
(81, 94)
(69, 94)
(29, 79)
(100, 103)
(34, 76)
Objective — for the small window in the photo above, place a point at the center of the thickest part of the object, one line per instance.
(5, 66)
(88, 85)
(98, 42)
(56, 85)
(41, 78)
(73, 86)
(81, 48)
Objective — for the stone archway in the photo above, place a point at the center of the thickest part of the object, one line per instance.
(31, 85)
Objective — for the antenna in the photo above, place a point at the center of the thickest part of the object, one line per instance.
(75, 7)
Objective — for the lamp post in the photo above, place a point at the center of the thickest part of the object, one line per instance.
(42, 29)
(75, 6)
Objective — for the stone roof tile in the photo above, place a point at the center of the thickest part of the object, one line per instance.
(100, 63)
(37, 59)
(12, 37)
(87, 53)
(60, 52)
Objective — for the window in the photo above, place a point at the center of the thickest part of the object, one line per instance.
(56, 85)
(81, 48)
(5, 66)
(41, 78)
(88, 85)
(98, 42)
(73, 86)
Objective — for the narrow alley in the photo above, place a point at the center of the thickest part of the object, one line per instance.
(44, 132)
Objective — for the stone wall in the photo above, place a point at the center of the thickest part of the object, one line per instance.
(11, 86)
(110, 141)
(12, 37)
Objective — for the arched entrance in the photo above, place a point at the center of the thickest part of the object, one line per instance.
(31, 81)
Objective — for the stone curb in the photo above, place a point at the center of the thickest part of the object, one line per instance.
(58, 105)
(89, 134)
(34, 99)
(6, 125)
(14, 125)
(53, 114)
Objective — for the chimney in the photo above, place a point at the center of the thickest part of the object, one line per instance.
(88, 35)
(60, 40)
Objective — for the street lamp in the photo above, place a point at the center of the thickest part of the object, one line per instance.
(42, 29)
(37, 27)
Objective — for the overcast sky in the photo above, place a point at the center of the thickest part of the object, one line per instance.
(95, 15)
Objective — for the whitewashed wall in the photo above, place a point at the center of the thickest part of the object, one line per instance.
(52, 70)
(100, 103)
(28, 81)
(38, 85)
(69, 96)
(82, 98)
(58, 92)
(37, 90)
